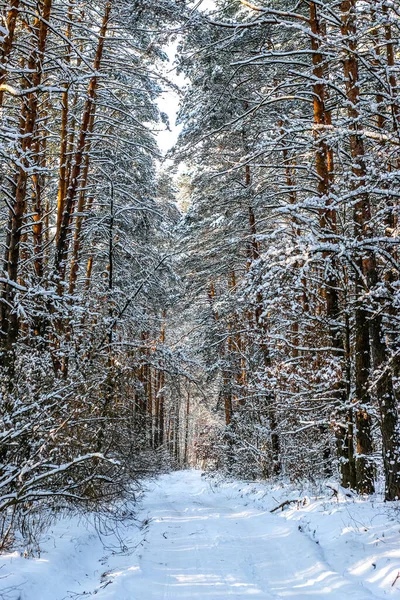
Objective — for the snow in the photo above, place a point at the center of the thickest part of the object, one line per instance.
(201, 540)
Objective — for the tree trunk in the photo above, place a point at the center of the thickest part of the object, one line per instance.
(325, 174)
(63, 238)
(362, 216)
(10, 320)
(6, 48)
(187, 417)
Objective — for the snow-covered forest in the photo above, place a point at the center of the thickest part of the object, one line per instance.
(228, 304)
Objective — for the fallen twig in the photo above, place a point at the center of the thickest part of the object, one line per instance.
(397, 577)
(283, 504)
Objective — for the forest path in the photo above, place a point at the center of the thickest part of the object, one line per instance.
(201, 542)
(205, 543)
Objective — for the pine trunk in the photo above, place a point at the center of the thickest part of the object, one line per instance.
(76, 170)
(325, 173)
(29, 113)
(362, 215)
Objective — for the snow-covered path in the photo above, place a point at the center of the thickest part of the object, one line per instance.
(203, 544)
(211, 543)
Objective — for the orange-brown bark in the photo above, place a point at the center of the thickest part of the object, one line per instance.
(76, 170)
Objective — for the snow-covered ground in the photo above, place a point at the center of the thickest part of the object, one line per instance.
(214, 542)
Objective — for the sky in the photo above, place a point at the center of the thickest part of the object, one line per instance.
(168, 103)
(169, 100)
